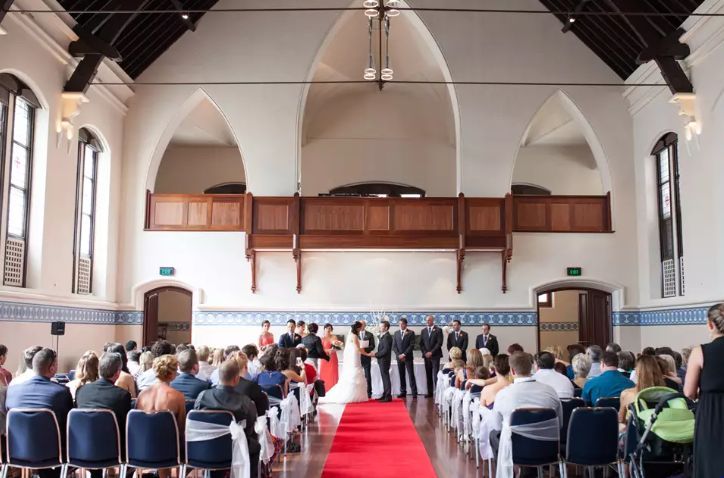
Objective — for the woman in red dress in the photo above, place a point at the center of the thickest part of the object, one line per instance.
(266, 338)
(329, 370)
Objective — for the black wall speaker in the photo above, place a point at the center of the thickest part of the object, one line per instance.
(57, 328)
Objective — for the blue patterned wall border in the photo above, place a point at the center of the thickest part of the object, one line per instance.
(255, 318)
(22, 312)
(682, 316)
(559, 326)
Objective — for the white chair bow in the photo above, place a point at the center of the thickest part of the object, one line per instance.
(265, 440)
(546, 430)
(202, 431)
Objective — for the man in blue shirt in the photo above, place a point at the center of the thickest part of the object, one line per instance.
(186, 381)
(610, 383)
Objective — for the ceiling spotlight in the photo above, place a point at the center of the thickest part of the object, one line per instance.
(571, 19)
(370, 4)
(185, 16)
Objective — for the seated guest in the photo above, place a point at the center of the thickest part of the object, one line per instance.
(301, 330)
(668, 369)
(613, 347)
(525, 392)
(581, 367)
(26, 372)
(573, 350)
(145, 362)
(186, 382)
(205, 368)
(610, 383)
(85, 372)
(501, 368)
(310, 371)
(454, 355)
(270, 376)
(545, 374)
(561, 368)
(5, 375)
(290, 339)
(133, 362)
(104, 394)
(313, 345)
(230, 349)
(626, 363)
(3, 411)
(594, 353)
(290, 364)
(475, 360)
(247, 387)
(266, 338)
(515, 348)
(679, 362)
(649, 375)
(252, 354)
(161, 396)
(39, 392)
(217, 358)
(125, 379)
(225, 397)
(159, 348)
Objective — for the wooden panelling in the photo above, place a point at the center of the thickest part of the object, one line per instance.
(168, 213)
(562, 214)
(198, 213)
(195, 212)
(378, 217)
(333, 217)
(272, 215)
(226, 214)
(423, 216)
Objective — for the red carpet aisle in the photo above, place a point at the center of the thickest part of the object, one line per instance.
(377, 440)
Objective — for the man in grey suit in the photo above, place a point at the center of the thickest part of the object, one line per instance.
(384, 360)
(431, 347)
(402, 345)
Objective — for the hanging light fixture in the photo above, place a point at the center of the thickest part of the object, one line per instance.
(387, 72)
(370, 72)
(392, 8)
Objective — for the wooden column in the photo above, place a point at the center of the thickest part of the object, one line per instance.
(462, 229)
(296, 246)
(248, 229)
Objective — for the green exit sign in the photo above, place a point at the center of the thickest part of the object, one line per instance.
(574, 271)
(166, 271)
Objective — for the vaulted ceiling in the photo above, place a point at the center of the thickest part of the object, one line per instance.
(610, 36)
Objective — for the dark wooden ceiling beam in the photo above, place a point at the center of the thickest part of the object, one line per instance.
(664, 50)
(4, 7)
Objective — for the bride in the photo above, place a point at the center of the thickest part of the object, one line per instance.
(352, 385)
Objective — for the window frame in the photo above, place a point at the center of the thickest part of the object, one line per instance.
(28, 171)
(86, 141)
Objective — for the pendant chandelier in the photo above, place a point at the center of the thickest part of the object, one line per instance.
(375, 11)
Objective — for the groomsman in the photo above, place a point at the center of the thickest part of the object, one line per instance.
(431, 347)
(458, 338)
(402, 345)
(487, 340)
(384, 360)
(290, 339)
(367, 361)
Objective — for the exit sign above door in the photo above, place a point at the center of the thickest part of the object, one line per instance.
(574, 271)
(166, 271)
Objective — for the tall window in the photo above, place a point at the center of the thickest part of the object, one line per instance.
(17, 121)
(670, 235)
(88, 151)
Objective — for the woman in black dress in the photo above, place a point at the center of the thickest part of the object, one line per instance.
(705, 381)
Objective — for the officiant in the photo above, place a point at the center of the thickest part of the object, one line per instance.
(367, 343)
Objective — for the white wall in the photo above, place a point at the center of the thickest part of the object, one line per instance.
(191, 170)
(569, 170)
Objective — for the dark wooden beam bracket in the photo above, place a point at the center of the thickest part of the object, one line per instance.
(4, 7)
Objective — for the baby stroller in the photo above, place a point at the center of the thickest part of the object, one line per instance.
(660, 433)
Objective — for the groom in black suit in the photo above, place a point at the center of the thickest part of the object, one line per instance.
(384, 360)
(487, 340)
(366, 360)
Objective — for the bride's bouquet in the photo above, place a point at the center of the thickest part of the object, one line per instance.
(337, 344)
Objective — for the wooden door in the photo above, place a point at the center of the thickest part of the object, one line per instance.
(594, 310)
(150, 317)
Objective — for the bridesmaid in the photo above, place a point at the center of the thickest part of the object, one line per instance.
(329, 370)
(266, 338)
(705, 381)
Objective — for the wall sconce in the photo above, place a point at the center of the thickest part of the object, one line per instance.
(687, 111)
(70, 109)
(3, 31)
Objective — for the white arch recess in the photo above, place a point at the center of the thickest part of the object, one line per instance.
(616, 290)
(437, 55)
(174, 121)
(584, 126)
(140, 290)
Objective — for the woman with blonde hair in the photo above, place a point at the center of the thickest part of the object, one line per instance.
(581, 364)
(475, 360)
(85, 372)
(145, 362)
(648, 373)
(454, 354)
(217, 358)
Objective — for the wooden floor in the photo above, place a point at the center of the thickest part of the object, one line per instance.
(446, 456)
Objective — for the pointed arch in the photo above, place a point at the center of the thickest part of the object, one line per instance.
(173, 124)
(583, 125)
(432, 46)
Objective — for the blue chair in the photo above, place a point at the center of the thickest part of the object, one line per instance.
(593, 438)
(33, 440)
(209, 455)
(530, 451)
(611, 402)
(190, 405)
(275, 391)
(152, 441)
(577, 392)
(93, 439)
(569, 405)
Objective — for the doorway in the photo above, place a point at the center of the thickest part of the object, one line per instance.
(167, 315)
(574, 315)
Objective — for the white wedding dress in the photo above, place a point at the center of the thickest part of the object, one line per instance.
(352, 385)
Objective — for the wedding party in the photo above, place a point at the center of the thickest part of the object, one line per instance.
(361, 238)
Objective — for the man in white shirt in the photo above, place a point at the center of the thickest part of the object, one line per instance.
(594, 353)
(205, 368)
(148, 378)
(547, 375)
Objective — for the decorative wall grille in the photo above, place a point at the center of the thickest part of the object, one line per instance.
(83, 280)
(681, 276)
(668, 270)
(14, 270)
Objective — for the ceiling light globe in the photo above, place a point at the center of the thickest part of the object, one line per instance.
(370, 4)
(392, 3)
(393, 12)
(386, 77)
(387, 71)
(369, 76)
(372, 12)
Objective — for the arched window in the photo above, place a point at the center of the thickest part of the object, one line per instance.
(18, 105)
(377, 189)
(89, 149)
(669, 202)
(529, 190)
(227, 188)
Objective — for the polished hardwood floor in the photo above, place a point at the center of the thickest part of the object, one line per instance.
(447, 457)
